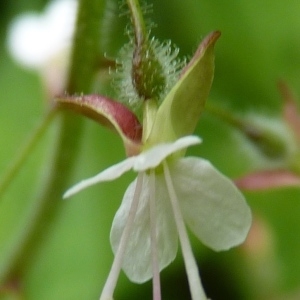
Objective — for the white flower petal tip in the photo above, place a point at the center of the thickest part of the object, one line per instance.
(83, 185)
(74, 190)
(108, 174)
(155, 155)
(80, 186)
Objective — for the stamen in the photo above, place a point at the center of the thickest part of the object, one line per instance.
(110, 284)
(196, 288)
(154, 252)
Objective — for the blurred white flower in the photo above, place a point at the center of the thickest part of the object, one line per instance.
(42, 41)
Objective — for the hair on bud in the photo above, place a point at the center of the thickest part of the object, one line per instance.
(167, 56)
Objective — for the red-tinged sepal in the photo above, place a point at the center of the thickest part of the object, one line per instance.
(110, 114)
(269, 179)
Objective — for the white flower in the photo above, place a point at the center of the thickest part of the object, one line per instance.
(43, 41)
(35, 39)
(168, 190)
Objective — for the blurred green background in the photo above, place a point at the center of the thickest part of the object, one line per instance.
(260, 44)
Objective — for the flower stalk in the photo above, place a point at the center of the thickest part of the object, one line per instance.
(287, 175)
(25, 151)
(269, 142)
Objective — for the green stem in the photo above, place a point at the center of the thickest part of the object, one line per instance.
(268, 141)
(42, 212)
(25, 151)
(140, 32)
(225, 116)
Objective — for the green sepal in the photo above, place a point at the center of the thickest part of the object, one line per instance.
(180, 111)
(110, 114)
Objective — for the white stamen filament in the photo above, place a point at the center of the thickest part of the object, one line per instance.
(195, 285)
(154, 252)
(110, 284)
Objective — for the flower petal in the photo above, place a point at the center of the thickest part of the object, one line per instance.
(109, 174)
(212, 206)
(155, 155)
(137, 263)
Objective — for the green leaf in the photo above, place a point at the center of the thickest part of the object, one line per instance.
(181, 109)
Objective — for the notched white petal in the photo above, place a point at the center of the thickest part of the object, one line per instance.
(109, 174)
(214, 209)
(154, 156)
(137, 262)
